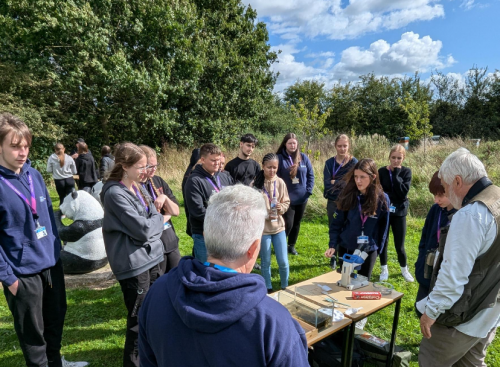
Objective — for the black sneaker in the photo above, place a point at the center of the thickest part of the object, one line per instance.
(291, 250)
(256, 266)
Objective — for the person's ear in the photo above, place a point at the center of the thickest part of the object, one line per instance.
(254, 249)
(374, 177)
(459, 182)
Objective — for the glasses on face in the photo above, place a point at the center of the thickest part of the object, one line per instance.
(153, 167)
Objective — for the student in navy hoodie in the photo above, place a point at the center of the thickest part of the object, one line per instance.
(439, 216)
(216, 313)
(362, 210)
(31, 270)
(333, 177)
(297, 172)
(204, 181)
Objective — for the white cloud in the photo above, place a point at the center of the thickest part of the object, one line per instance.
(467, 4)
(321, 54)
(411, 53)
(330, 19)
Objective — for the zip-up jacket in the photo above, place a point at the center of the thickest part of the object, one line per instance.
(21, 253)
(397, 188)
(331, 192)
(300, 192)
(345, 228)
(132, 235)
(199, 187)
(85, 165)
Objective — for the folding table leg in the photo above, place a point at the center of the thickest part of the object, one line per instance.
(348, 346)
(393, 335)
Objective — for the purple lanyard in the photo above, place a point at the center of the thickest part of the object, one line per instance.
(138, 194)
(212, 183)
(31, 205)
(274, 194)
(363, 217)
(291, 160)
(334, 163)
(439, 227)
(390, 175)
(149, 187)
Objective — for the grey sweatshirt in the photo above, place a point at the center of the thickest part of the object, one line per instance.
(132, 236)
(66, 171)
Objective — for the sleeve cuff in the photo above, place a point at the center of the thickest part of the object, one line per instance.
(11, 279)
(431, 312)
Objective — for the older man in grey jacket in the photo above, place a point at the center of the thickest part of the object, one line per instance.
(461, 314)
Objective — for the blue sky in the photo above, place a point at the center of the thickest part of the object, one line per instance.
(328, 40)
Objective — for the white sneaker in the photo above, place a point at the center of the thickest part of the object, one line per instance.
(406, 274)
(66, 363)
(384, 275)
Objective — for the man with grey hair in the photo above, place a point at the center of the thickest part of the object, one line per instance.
(461, 314)
(216, 313)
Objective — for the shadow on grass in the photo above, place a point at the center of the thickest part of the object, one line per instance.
(107, 357)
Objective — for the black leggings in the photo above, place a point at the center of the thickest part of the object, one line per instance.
(367, 267)
(398, 225)
(64, 187)
(293, 217)
(170, 261)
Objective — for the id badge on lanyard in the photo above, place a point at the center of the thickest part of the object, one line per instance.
(392, 209)
(362, 240)
(40, 231)
(166, 226)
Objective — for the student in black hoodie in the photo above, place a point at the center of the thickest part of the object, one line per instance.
(132, 230)
(204, 181)
(396, 181)
(107, 161)
(85, 166)
(243, 169)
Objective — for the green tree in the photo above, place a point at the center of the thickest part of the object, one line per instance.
(311, 123)
(418, 126)
(312, 93)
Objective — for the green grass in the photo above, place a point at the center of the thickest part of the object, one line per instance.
(95, 322)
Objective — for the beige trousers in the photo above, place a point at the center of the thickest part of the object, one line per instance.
(449, 347)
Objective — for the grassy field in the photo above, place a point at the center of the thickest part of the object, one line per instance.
(95, 321)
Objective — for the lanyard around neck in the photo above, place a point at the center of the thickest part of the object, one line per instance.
(32, 204)
(216, 187)
(363, 216)
(274, 193)
(334, 164)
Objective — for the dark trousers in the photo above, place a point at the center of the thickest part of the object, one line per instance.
(367, 267)
(39, 308)
(398, 225)
(331, 208)
(293, 217)
(134, 291)
(64, 187)
(87, 186)
(170, 261)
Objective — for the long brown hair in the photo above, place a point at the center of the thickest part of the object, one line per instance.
(59, 150)
(344, 137)
(126, 155)
(348, 198)
(295, 155)
(83, 148)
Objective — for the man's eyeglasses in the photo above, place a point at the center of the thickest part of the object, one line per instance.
(152, 167)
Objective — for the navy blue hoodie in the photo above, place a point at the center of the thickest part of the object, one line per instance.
(331, 192)
(21, 253)
(200, 316)
(346, 227)
(429, 240)
(300, 192)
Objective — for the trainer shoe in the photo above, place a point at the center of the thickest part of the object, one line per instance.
(66, 363)
(384, 274)
(406, 274)
(291, 250)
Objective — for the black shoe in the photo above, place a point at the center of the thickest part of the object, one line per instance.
(269, 290)
(291, 250)
(256, 266)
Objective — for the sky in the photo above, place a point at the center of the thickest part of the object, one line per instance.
(332, 40)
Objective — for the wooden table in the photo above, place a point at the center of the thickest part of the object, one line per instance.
(309, 289)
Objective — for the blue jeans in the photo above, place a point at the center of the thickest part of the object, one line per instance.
(200, 250)
(281, 251)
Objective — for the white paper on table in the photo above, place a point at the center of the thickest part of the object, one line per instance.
(336, 315)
